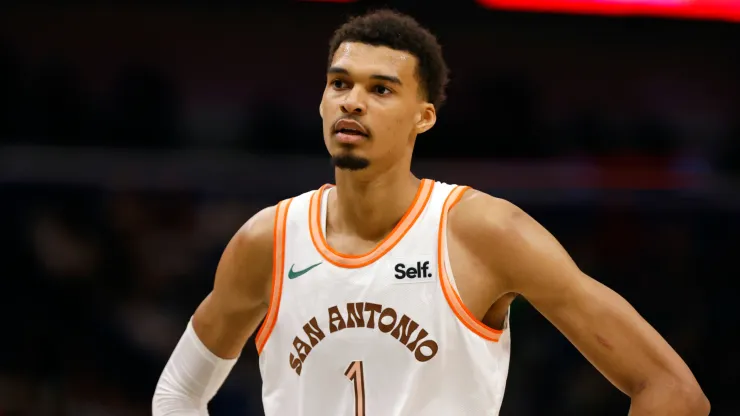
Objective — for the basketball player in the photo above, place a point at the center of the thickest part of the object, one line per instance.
(388, 295)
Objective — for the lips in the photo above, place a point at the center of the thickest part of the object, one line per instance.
(350, 127)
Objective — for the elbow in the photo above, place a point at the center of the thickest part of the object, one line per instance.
(706, 407)
(689, 393)
(679, 398)
(691, 400)
(698, 402)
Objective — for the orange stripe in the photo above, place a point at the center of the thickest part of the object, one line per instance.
(278, 255)
(356, 261)
(453, 298)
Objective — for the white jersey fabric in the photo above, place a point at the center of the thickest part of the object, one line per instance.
(379, 334)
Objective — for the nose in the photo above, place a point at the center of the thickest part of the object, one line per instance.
(354, 102)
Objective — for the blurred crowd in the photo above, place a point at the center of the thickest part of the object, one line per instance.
(98, 284)
(628, 90)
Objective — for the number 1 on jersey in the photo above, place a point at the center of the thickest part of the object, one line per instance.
(355, 374)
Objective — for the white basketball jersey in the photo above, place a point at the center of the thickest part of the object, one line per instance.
(379, 334)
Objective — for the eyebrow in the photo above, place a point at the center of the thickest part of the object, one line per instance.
(389, 78)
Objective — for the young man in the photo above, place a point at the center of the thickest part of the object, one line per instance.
(389, 295)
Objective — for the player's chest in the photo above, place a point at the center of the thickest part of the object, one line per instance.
(398, 273)
(388, 319)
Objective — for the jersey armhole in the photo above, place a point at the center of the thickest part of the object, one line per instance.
(278, 266)
(447, 280)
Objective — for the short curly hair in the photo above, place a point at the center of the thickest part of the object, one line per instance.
(398, 31)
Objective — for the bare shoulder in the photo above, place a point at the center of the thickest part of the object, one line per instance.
(479, 217)
(502, 236)
(247, 259)
(475, 207)
(256, 235)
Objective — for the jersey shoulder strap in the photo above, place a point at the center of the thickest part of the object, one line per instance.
(287, 220)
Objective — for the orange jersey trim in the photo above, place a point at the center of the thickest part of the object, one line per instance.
(453, 298)
(278, 263)
(356, 261)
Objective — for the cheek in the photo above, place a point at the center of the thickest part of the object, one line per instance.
(325, 113)
(395, 130)
(327, 105)
(401, 124)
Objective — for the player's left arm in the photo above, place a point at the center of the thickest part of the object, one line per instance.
(525, 258)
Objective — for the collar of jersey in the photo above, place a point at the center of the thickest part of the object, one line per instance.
(333, 256)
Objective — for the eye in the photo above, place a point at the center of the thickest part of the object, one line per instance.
(338, 84)
(381, 90)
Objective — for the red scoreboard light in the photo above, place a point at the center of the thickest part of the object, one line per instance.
(692, 9)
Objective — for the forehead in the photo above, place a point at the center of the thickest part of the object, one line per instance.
(361, 59)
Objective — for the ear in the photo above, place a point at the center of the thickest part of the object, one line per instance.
(426, 118)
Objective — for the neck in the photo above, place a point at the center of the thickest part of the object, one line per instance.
(371, 206)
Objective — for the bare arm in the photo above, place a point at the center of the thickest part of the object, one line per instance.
(524, 258)
(209, 348)
(229, 315)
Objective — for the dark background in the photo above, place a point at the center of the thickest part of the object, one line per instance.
(136, 139)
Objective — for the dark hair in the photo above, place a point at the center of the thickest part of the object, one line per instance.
(402, 33)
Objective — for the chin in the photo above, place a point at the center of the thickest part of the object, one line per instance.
(348, 161)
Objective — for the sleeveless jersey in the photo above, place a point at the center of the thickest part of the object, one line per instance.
(379, 334)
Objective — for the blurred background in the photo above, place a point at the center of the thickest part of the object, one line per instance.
(136, 139)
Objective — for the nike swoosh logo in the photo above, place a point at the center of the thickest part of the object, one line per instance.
(293, 274)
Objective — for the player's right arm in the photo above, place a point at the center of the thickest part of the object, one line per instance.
(222, 324)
